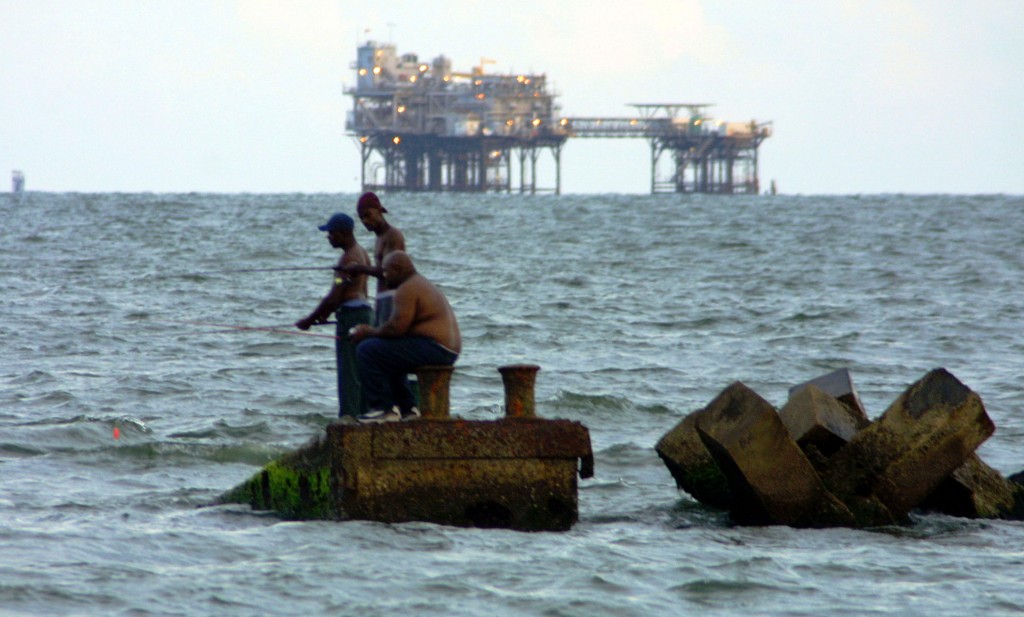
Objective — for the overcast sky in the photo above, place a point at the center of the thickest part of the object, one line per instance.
(865, 96)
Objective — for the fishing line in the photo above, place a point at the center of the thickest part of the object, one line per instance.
(237, 270)
(277, 329)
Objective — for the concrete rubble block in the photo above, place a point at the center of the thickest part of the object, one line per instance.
(838, 384)
(771, 480)
(694, 469)
(818, 422)
(897, 461)
(976, 490)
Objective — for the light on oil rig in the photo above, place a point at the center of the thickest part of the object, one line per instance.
(363, 139)
(401, 109)
(412, 78)
(481, 96)
(376, 70)
(564, 122)
(423, 68)
(632, 122)
(509, 122)
(396, 139)
(495, 154)
(535, 122)
(363, 72)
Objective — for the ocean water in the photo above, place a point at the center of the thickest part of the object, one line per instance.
(639, 309)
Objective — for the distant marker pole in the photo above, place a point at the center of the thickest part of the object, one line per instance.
(117, 433)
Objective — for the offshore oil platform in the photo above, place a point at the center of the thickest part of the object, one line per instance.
(424, 127)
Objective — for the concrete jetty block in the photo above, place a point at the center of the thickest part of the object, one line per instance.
(694, 469)
(839, 384)
(771, 480)
(516, 473)
(818, 422)
(897, 461)
(976, 490)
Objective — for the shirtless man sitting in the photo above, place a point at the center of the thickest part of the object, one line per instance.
(422, 331)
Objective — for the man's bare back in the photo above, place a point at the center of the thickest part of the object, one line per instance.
(432, 316)
(354, 286)
(388, 241)
(420, 309)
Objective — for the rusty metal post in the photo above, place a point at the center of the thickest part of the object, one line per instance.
(519, 380)
(433, 384)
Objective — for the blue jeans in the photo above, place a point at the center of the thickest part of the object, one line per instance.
(351, 401)
(384, 364)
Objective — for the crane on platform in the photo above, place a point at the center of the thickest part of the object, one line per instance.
(479, 69)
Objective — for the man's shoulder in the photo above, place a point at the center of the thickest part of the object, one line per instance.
(394, 238)
(415, 284)
(355, 254)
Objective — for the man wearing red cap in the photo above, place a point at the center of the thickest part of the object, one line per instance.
(347, 298)
(389, 239)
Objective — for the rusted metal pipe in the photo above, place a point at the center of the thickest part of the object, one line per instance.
(519, 380)
(433, 391)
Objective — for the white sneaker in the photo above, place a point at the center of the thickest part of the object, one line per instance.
(379, 416)
(414, 414)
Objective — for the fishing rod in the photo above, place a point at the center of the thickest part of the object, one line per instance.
(277, 329)
(237, 270)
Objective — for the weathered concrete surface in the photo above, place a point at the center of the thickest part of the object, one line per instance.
(694, 469)
(771, 480)
(515, 473)
(839, 384)
(819, 423)
(889, 467)
(976, 490)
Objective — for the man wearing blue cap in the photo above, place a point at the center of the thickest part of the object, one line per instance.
(348, 299)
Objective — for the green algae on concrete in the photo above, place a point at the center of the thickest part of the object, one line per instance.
(692, 466)
(976, 490)
(296, 486)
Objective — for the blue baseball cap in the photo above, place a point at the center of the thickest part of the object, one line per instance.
(339, 221)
